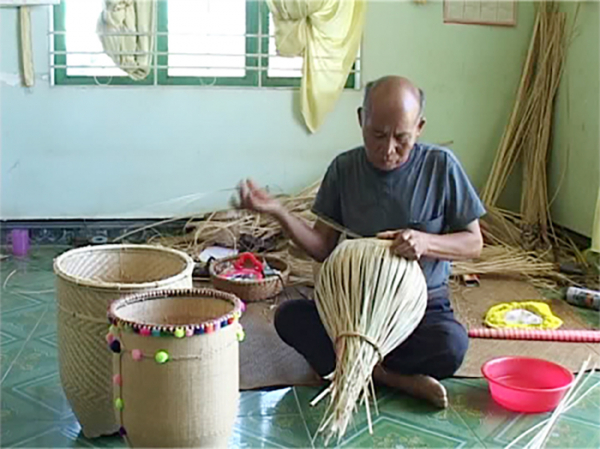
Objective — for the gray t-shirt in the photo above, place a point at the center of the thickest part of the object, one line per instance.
(430, 192)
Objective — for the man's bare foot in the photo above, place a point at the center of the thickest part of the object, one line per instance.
(419, 385)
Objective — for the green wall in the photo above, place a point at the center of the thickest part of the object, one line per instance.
(575, 164)
(93, 152)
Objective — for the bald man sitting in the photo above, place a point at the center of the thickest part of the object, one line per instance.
(395, 188)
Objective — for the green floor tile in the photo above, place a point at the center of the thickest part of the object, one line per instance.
(20, 419)
(241, 440)
(476, 408)
(423, 415)
(8, 354)
(34, 284)
(277, 430)
(392, 433)
(47, 325)
(36, 360)
(567, 433)
(264, 403)
(45, 392)
(21, 323)
(305, 395)
(12, 302)
(588, 409)
(54, 438)
(6, 338)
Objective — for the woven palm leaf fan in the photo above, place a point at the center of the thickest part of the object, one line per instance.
(370, 301)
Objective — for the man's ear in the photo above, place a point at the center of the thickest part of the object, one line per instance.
(421, 125)
(359, 111)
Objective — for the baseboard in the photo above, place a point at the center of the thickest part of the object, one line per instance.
(72, 232)
(79, 232)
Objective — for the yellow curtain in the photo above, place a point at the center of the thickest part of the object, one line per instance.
(327, 34)
(129, 16)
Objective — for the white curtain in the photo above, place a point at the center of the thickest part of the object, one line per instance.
(129, 16)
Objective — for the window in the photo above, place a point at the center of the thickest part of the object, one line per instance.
(198, 42)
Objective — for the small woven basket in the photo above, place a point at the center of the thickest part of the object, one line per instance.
(87, 281)
(176, 367)
(251, 291)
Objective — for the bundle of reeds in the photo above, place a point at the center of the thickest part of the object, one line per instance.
(528, 132)
(369, 301)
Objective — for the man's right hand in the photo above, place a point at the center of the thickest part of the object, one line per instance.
(317, 242)
(256, 199)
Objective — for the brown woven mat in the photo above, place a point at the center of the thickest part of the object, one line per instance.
(471, 304)
(265, 361)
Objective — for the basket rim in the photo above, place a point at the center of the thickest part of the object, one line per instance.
(81, 281)
(196, 293)
(247, 283)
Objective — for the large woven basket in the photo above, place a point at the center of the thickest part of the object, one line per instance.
(251, 291)
(87, 281)
(176, 367)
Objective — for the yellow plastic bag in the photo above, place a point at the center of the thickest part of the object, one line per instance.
(522, 315)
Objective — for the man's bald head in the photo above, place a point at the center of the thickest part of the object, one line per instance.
(391, 120)
(395, 88)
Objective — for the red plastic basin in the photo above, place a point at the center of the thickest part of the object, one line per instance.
(527, 385)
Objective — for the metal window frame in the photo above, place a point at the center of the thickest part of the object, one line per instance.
(256, 67)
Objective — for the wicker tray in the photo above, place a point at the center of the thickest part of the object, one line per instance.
(251, 291)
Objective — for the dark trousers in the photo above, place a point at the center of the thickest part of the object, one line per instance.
(436, 348)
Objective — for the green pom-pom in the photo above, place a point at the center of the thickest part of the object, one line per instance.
(161, 357)
(179, 332)
(119, 404)
(241, 334)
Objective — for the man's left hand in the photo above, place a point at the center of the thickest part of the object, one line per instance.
(408, 243)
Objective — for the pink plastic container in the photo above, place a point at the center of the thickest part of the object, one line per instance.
(20, 241)
(527, 385)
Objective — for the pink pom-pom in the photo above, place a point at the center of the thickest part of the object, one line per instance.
(145, 331)
(136, 354)
(110, 338)
(189, 332)
(117, 379)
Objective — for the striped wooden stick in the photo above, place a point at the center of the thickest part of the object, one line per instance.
(584, 336)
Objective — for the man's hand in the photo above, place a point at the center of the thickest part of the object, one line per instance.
(460, 245)
(317, 242)
(408, 243)
(257, 200)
